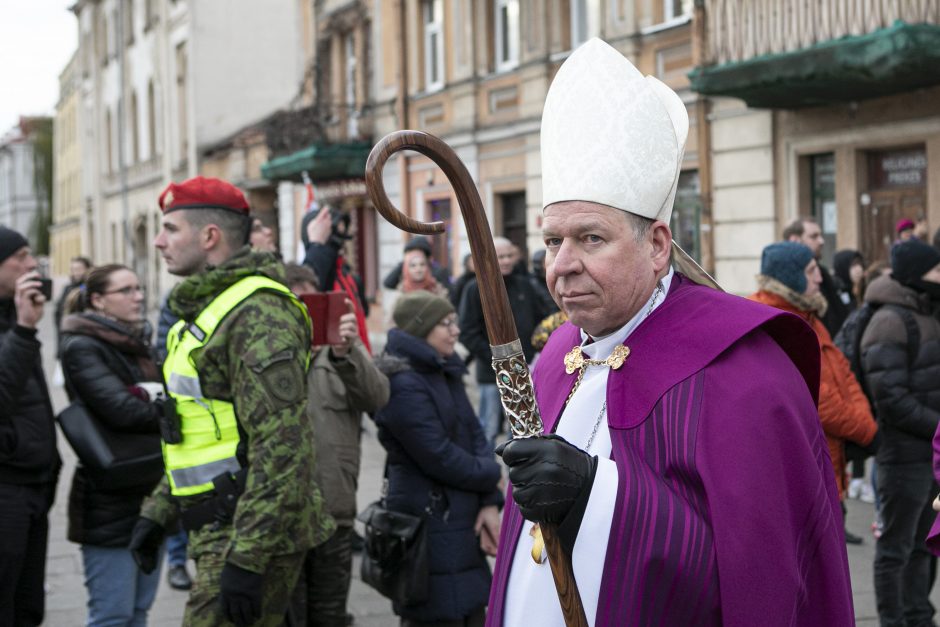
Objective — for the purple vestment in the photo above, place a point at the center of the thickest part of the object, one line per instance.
(727, 512)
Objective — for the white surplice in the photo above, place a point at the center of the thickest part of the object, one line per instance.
(530, 598)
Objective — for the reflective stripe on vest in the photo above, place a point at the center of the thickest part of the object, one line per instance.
(208, 426)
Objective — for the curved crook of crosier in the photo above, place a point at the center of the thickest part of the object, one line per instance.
(428, 145)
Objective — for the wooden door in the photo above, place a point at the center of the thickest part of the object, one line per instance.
(882, 214)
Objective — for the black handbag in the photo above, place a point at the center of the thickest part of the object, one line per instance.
(395, 557)
(112, 459)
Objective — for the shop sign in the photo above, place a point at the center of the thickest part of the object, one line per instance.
(901, 168)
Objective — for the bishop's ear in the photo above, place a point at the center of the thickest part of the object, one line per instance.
(660, 238)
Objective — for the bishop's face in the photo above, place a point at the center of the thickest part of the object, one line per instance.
(595, 268)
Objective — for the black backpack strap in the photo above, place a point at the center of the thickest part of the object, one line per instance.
(913, 332)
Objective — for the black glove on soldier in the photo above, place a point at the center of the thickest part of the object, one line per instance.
(551, 479)
(240, 594)
(146, 539)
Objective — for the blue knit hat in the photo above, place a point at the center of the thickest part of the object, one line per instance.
(786, 262)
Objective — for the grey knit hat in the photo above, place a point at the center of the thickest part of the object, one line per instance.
(417, 312)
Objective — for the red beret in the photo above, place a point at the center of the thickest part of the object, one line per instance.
(903, 224)
(203, 193)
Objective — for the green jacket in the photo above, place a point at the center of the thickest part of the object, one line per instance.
(257, 360)
(340, 389)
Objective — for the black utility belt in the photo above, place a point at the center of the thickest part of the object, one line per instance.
(219, 509)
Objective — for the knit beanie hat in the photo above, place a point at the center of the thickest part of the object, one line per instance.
(419, 242)
(912, 259)
(10, 242)
(786, 262)
(416, 313)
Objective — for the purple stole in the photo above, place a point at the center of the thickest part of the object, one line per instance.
(660, 566)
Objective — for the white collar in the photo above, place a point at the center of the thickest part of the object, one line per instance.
(602, 347)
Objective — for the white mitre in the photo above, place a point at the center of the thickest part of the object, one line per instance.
(611, 135)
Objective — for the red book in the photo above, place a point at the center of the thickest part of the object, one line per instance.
(325, 309)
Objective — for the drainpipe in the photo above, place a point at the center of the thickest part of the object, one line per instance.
(406, 205)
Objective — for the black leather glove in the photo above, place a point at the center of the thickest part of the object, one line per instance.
(146, 539)
(549, 476)
(240, 595)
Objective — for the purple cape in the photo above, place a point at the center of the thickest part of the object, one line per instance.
(727, 512)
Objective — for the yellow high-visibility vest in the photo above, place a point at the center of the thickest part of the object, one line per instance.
(208, 426)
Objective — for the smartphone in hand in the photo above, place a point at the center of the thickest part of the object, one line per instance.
(45, 288)
(325, 310)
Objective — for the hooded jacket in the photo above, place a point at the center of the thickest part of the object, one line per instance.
(101, 361)
(438, 458)
(905, 391)
(28, 453)
(843, 409)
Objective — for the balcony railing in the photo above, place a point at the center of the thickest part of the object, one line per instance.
(739, 30)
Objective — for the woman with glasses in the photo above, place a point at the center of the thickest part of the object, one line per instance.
(108, 365)
(439, 465)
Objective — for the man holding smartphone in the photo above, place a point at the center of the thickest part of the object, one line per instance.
(29, 461)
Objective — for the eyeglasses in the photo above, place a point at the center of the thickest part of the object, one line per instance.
(450, 323)
(127, 291)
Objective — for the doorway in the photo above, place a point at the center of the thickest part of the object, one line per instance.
(897, 189)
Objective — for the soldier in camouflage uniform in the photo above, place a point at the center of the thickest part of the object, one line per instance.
(250, 530)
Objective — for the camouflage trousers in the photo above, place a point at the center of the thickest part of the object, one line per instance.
(208, 547)
(323, 586)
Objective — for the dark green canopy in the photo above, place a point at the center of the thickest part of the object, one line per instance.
(900, 58)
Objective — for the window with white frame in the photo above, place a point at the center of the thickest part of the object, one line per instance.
(433, 44)
(352, 123)
(585, 21)
(672, 9)
(507, 34)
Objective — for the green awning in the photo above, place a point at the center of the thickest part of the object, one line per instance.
(322, 161)
(900, 58)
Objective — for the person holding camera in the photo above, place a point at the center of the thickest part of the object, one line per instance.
(238, 448)
(29, 460)
(109, 366)
(343, 382)
(324, 233)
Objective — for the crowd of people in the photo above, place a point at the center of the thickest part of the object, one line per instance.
(683, 426)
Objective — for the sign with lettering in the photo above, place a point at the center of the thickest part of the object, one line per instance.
(897, 168)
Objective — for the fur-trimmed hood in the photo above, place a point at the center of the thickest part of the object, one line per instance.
(815, 304)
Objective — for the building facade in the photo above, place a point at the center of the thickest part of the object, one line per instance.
(320, 144)
(819, 109)
(69, 234)
(476, 74)
(20, 200)
(160, 80)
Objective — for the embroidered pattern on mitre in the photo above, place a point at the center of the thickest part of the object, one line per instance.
(611, 136)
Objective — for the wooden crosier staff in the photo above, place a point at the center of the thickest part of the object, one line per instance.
(512, 373)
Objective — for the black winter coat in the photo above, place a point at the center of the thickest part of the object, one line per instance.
(906, 393)
(528, 309)
(436, 447)
(28, 453)
(101, 360)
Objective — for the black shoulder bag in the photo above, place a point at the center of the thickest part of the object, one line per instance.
(395, 557)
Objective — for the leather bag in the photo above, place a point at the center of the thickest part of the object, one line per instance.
(395, 557)
(112, 459)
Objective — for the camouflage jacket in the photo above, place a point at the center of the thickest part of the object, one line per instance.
(257, 360)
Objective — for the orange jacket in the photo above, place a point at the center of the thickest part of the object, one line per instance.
(843, 409)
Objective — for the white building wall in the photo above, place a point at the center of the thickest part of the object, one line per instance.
(246, 60)
(18, 201)
(743, 184)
